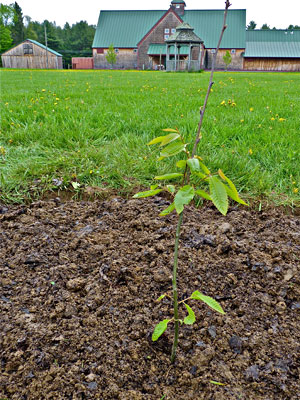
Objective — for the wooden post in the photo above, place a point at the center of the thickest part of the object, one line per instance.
(46, 43)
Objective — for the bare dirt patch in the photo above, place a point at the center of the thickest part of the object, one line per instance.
(79, 282)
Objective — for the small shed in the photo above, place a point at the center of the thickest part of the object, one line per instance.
(82, 63)
(31, 54)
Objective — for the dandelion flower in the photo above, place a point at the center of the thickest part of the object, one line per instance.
(250, 152)
(295, 190)
(251, 109)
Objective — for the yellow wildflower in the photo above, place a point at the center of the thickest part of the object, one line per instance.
(223, 103)
(91, 171)
(233, 104)
(250, 152)
(272, 119)
(242, 120)
(251, 109)
(281, 119)
(295, 190)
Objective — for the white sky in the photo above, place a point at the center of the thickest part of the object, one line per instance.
(276, 13)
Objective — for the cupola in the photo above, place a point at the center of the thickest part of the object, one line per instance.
(178, 6)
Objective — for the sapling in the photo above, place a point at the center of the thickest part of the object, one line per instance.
(193, 174)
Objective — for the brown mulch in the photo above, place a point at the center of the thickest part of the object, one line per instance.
(78, 289)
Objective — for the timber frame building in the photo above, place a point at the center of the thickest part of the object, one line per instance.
(144, 39)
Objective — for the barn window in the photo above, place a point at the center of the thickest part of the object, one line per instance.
(233, 51)
(100, 51)
(167, 30)
(117, 50)
(167, 37)
(28, 48)
(213, 51)
(173, 30)
(135, 50)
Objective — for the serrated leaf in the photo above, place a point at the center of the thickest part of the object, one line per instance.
(183, 197)
(172, 149)
(169, 130)
(218, 194)
(171, 188)
(168, 210)
(181, 164)
(203, 194)
(156, 140)
(161, 297)
(168, 176)
(231, 191)
(169, 138)
(204, 168)
(190, 319)
(194, 164)
(159, 329)
(148, 193)
(232, 195)
(212, 303)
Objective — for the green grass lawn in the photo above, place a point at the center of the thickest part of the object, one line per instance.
(92, 127)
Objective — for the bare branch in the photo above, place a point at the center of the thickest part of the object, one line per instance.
(203, 108)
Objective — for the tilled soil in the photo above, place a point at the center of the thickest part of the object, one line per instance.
(79, 283)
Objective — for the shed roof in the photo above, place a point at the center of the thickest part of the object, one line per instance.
(273, 43)
(127, 28)
(157, 49)
(184, 33)
(38, 44)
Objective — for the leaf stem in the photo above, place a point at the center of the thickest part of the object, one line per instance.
(175, 291)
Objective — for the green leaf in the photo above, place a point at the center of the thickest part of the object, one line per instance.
(181, 164)
(212, 303)
(169, 130)
(184, 196)
(153, 187)
(194, 164)
(76, 185)
(171, 188)
(156, 140)
(200, 174)
(232, 195)
(172, 149)
(168, 210)
(190, 319)
(204, 168)
(203, 194)
(168, 176)
(232, 192)
(218, 194)
(217, 383)
(169, 138)
(159, 329)
(161, 297)
(148, 193)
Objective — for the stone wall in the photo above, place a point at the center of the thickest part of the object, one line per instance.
(126, 59)
(170, 21)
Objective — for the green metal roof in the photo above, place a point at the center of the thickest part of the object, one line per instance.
(273, 43)
(127, 28)
(184, 33)
(44, 47)
(157, 49)
(124, 28)
(207, 25)
(178, 2)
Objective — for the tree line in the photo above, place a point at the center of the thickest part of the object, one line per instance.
(252, 25)
(71, 41)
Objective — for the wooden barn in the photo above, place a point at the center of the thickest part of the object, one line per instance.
(272, 50)
(150, 39)
(32, 55)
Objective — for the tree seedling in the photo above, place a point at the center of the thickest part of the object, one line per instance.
(227, 59)
(111, 56)
(193, 174)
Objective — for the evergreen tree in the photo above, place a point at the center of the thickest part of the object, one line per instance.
(17, 29)
(251, 25)
(265, 27)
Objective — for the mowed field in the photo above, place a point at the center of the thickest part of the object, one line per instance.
(91, 128)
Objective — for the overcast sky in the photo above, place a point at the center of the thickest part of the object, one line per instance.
(276, 13)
